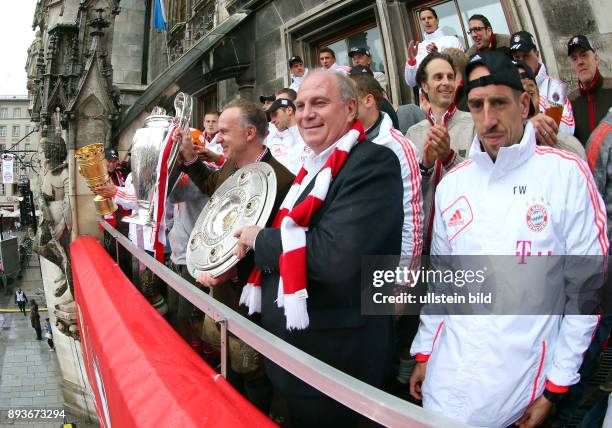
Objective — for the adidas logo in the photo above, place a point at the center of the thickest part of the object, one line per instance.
(456, 219)
(476, 58)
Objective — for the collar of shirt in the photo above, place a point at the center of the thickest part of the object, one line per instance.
(373, 131)
(435, 35)
(508, 158)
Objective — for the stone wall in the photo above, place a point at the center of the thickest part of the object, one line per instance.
(128, 42)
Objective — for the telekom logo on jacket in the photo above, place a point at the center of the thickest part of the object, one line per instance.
(523, 250)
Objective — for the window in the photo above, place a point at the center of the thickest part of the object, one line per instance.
(367, 36)
(16, 130)
(16, 113)
(3, 113)
(206, 102)
(453, 17)
(178, 9)
(2, 131)
(28, 129)
(2, 189)
(28, 147)
(2, 149)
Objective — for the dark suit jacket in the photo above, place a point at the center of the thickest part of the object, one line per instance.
(208, 181)
(361, 215)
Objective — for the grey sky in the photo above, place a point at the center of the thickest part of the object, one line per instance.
(16, 35)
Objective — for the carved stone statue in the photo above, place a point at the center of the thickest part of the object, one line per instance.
(31, 60)
(53, 237)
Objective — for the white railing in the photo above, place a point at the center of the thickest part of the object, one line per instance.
(371, 402)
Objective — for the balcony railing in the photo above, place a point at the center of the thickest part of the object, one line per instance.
(371, 402)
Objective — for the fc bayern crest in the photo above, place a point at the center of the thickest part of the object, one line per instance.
(537, 217)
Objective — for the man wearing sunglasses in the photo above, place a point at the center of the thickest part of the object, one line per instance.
(483, 36)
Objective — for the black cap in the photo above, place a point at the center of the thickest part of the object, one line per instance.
(522, 41)
(358, 69)
(503, 71)
(294, 59)
(281, 102)
(578, 41)
(111, 154)
(362, 51)
(264, 98)
(527, 74)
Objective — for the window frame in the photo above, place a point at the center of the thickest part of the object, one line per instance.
(4, 113)
(18, 134)
(2, 131)
(18, 111)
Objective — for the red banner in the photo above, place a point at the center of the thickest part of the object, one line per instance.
(142, 373)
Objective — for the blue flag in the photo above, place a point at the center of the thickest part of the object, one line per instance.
(159, 16)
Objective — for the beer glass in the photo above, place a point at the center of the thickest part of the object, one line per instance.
(556, 96)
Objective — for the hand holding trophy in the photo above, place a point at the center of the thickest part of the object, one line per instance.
(90, 161)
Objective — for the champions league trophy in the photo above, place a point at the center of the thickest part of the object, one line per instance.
(90, 161)
(145, 153)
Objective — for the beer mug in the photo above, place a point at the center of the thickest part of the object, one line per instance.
(556, 96)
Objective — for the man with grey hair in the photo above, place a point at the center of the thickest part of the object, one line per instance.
(242, 129)
(335, 213)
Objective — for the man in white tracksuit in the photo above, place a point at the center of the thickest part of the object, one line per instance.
(434, 40)
(523, 48)
(504, 200)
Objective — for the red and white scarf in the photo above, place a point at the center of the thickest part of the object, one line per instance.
(293, 222)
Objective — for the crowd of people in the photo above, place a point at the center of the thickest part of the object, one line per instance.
(351, 182)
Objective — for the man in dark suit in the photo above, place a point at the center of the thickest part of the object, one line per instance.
(361, 214)
(242, 128)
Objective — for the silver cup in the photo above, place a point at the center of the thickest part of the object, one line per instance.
(146, 150)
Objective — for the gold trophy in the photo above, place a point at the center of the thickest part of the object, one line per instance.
(90, 161)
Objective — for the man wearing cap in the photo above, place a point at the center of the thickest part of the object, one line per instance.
(286, 145)
(444, 137)
(327, 59)
(484, 38)
(595, 96)
(560, 140)
(434, 40)
(298, 72)
(523, 48)
(385, 105)
(504, 369)
(363, 57)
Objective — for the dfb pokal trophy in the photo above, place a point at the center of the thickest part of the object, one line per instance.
(90, 161)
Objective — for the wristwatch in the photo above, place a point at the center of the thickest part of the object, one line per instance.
(426, 172)
(553, 397)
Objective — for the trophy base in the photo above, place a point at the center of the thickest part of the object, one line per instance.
(104, 206)
(142, 218)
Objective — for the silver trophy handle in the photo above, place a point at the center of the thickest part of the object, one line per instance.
(183, 108)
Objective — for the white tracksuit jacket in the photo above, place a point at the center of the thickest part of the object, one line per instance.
(486, 370)
(441, 41)
(412, 231)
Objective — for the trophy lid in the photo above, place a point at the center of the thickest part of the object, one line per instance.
(244, 199)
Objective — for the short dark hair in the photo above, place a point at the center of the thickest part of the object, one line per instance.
(252, 115)
(291, 94)
(421, 74)
(429, 9)
(212, 112)
(329, 50)
(367, 84)
(482, 19)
